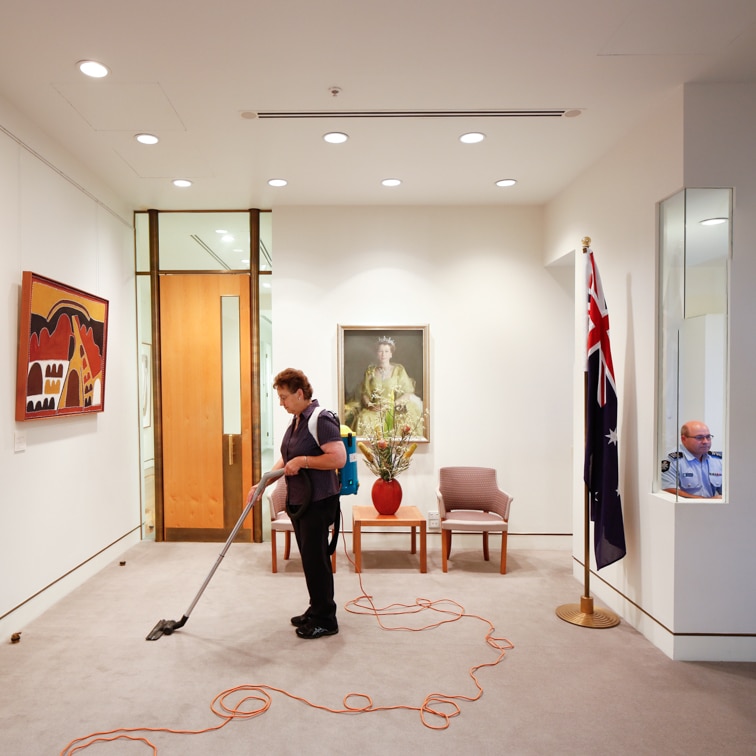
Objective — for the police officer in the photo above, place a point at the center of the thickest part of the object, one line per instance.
(693, 472)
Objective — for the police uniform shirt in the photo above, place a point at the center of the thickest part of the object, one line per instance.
(683, 470)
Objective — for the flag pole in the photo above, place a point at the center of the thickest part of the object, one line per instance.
(584, 614)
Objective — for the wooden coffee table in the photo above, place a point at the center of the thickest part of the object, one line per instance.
(367, 516)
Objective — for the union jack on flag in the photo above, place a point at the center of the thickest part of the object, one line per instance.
(601, 471)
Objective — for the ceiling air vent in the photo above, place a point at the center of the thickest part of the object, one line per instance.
(557, 113)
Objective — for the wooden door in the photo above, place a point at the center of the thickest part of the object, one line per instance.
(206, 402)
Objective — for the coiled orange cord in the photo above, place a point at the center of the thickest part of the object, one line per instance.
(436, 710)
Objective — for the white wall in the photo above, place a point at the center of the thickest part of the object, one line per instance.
(74, 491)
(689, 566)
(506, 360)
(500, 327)
(715, 557)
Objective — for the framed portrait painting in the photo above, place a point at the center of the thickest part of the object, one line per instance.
(61, 350)
(384, 378)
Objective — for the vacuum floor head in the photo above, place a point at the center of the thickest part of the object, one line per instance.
(165, 627)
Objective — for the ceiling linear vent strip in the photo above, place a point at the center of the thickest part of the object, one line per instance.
(410, 113)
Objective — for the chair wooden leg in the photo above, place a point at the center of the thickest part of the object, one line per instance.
(486, 555)
(273, 554)
(445, 549)
(503, 568)
(287, 544)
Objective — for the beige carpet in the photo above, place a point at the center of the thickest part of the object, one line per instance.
(85, 666)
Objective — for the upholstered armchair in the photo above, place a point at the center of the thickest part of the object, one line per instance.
(470, 501)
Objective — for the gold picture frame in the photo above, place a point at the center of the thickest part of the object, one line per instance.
(408, 377)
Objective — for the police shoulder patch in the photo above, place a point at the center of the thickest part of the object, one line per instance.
(665, 465)
(675, 455)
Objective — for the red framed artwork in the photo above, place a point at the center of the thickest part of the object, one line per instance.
(61, 350)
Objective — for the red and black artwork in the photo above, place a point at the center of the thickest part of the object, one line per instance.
(61, 350)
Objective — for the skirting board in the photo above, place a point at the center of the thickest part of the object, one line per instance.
(22, 615)
(680, 647)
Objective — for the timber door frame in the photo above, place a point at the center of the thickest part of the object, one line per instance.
(254, 352)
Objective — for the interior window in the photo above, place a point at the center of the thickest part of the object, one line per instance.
(694, 253)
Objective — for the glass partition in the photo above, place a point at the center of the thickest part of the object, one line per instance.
(146, 413)
(694, 253)
(266, 241)
(269, 454)
(142, 242)
(201, 242)
(204, 241)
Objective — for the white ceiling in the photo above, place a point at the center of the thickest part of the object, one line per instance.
(187, 70)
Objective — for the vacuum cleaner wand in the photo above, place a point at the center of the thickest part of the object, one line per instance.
(166, 627)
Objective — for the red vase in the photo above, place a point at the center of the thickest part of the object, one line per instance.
(386, 495)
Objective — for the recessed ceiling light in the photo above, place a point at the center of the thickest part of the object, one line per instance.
(227, 238)
(506, 182)
(472, 137)
(221, 231)
(182, 183)
(278, 182)
(146, 139)
(713, 221)
(335, 137)
(93, 68)
(391, 182)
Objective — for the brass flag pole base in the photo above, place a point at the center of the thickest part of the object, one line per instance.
(584, 615)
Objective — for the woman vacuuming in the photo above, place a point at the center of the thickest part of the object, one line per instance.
(313, 502)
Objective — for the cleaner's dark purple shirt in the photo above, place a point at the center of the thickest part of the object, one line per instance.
(300, 442)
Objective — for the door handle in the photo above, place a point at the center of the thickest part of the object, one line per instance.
(230, 450)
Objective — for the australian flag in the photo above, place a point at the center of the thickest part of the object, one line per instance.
(601, 473)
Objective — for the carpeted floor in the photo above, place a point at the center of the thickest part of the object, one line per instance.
(85, 667)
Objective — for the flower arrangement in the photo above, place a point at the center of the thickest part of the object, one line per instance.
(388, 448)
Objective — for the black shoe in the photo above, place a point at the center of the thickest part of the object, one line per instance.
(300, 619)
(311, 631)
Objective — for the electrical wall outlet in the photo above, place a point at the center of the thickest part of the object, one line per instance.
(19, 441)
(434, 521)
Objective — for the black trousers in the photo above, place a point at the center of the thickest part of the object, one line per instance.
(311, 531)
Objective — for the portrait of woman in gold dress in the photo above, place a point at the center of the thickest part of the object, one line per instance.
(386, 393)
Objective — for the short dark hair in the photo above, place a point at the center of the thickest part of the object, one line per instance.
(292, 380)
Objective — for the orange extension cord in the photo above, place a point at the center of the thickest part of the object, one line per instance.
(248, 701)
